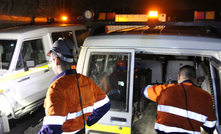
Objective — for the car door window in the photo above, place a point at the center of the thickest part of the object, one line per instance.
(81, 35)
(7, 48)
(110, 73)
(64, 34)
(31, 50)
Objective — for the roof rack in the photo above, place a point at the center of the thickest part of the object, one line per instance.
(99, 26)
(209, 23)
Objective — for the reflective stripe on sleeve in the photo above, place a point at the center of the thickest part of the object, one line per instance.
(210, 124)
(182, 112)
(169, 129)
(54, 120)
(77, 114)
(71, 132)
(101, 102)
(145, 91)
(88, 109)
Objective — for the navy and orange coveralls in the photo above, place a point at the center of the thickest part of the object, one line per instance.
(62, 104)
(171, 109)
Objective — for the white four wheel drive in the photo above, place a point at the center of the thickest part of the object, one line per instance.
(25, 70)
(148, 55)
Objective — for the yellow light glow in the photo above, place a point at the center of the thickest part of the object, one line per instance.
(131, 18)
(64, 18)
(21, 18)
(153, 14)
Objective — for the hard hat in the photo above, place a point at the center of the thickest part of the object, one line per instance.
(122, 64)
(64, 49)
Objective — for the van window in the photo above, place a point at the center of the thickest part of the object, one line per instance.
(65, 34)
(6, 51)
(81, 35)
(31, 50)
(110, 73)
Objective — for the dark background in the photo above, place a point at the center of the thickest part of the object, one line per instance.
(181, 10)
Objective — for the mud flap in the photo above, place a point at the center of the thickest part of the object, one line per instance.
(4, 124)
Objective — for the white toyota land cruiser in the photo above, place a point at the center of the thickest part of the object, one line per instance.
(149, 54)
(25, 72)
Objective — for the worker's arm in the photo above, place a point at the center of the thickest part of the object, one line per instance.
(210, 124)
(101, 106)
(152, 92)
(144, 91)
(55, 110)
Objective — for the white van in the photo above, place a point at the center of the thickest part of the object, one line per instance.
(25, 72)
(151, 55)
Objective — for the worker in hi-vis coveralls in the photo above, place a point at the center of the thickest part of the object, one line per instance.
(72, 100)
(182, 108)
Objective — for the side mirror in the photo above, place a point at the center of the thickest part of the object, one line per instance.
(29, 63)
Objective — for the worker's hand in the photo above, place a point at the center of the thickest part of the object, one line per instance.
(202, 131)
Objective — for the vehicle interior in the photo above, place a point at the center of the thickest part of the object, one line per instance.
(149, 69)
(163, 69)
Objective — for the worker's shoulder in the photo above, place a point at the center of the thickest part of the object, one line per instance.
(85, 79)
(203, 93)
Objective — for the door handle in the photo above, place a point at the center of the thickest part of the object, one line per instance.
(118, 119)
(46, 70)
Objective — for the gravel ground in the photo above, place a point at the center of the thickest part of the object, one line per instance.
(28, 124)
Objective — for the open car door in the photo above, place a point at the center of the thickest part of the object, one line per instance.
(215, 66)
(112, 71)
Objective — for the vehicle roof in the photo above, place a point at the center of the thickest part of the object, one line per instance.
(193, 35)
(153, 41)
(15, 32)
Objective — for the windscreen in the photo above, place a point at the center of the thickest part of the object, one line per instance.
(6, 51)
